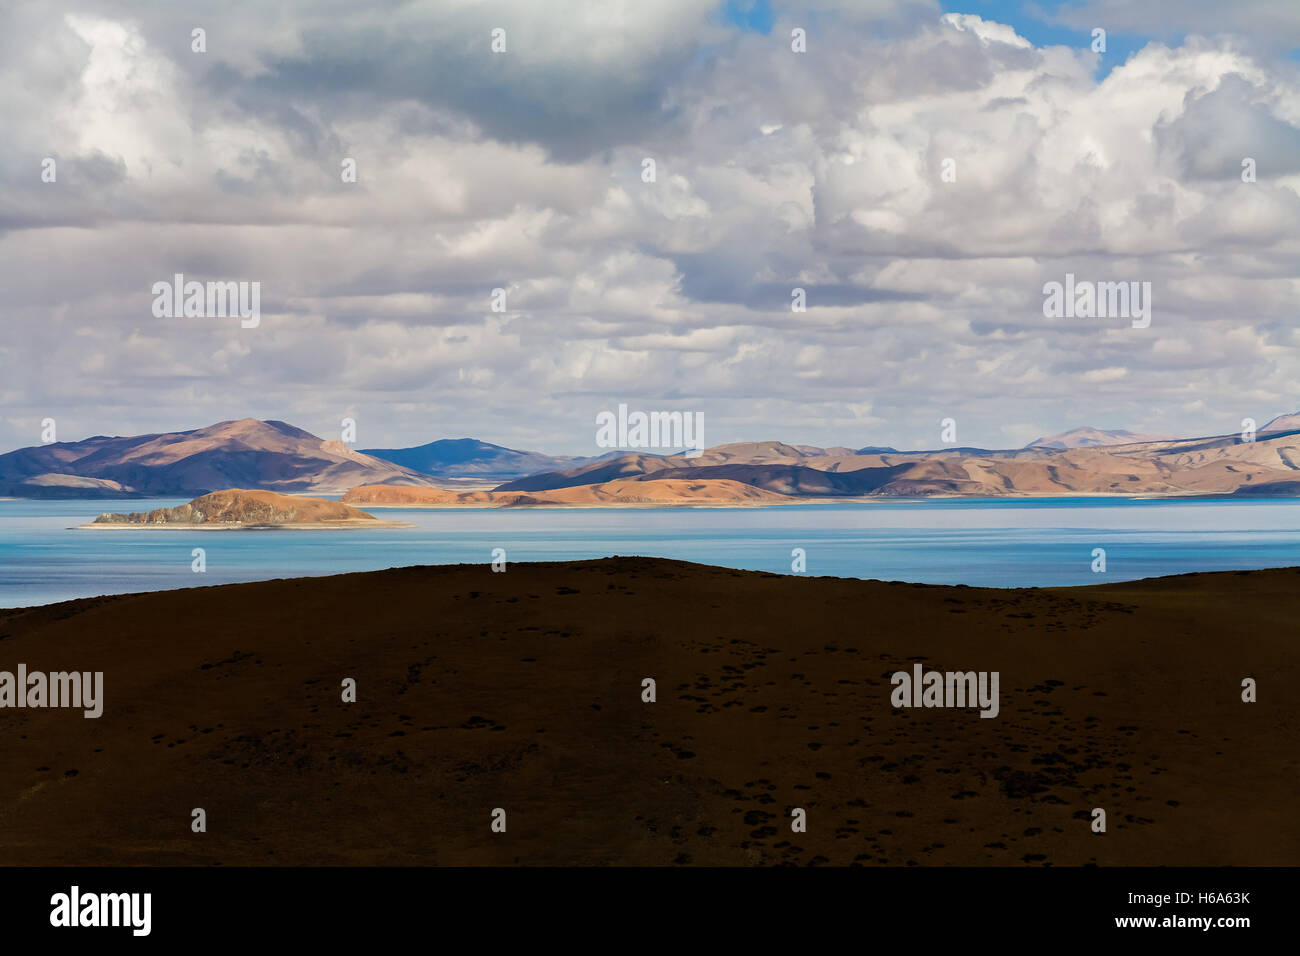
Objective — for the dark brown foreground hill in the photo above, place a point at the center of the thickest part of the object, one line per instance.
(522, 691)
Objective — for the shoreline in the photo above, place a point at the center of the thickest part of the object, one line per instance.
(1155, 580)
(838, 500)
(821, 500)
(818, 500)
(506, 506)
(233, 526)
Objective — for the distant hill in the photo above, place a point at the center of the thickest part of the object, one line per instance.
(1089, 437)
(730, 456)
(625, 493)
(1126, 464)
(471, 458)
(246, 453)
(1283, 423)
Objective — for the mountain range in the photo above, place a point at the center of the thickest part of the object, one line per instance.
(1083, 461)
(276, 456)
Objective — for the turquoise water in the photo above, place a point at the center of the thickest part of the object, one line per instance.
(995, 542)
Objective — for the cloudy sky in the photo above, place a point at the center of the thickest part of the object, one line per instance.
(774, 169)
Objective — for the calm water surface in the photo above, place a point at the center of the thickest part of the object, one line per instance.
(995, 542)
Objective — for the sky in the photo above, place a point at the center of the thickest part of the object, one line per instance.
(921, 170)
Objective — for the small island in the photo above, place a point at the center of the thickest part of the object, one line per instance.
(236, 508)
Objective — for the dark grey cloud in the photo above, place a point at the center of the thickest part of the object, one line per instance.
(1219, 128)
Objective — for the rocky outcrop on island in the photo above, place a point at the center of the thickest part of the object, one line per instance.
(242, 508)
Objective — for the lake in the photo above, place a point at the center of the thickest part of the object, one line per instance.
(998, 542)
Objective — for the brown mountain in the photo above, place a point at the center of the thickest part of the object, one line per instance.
(1283, 423)
(247, 453)
(1222, 465)
(716, 493)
